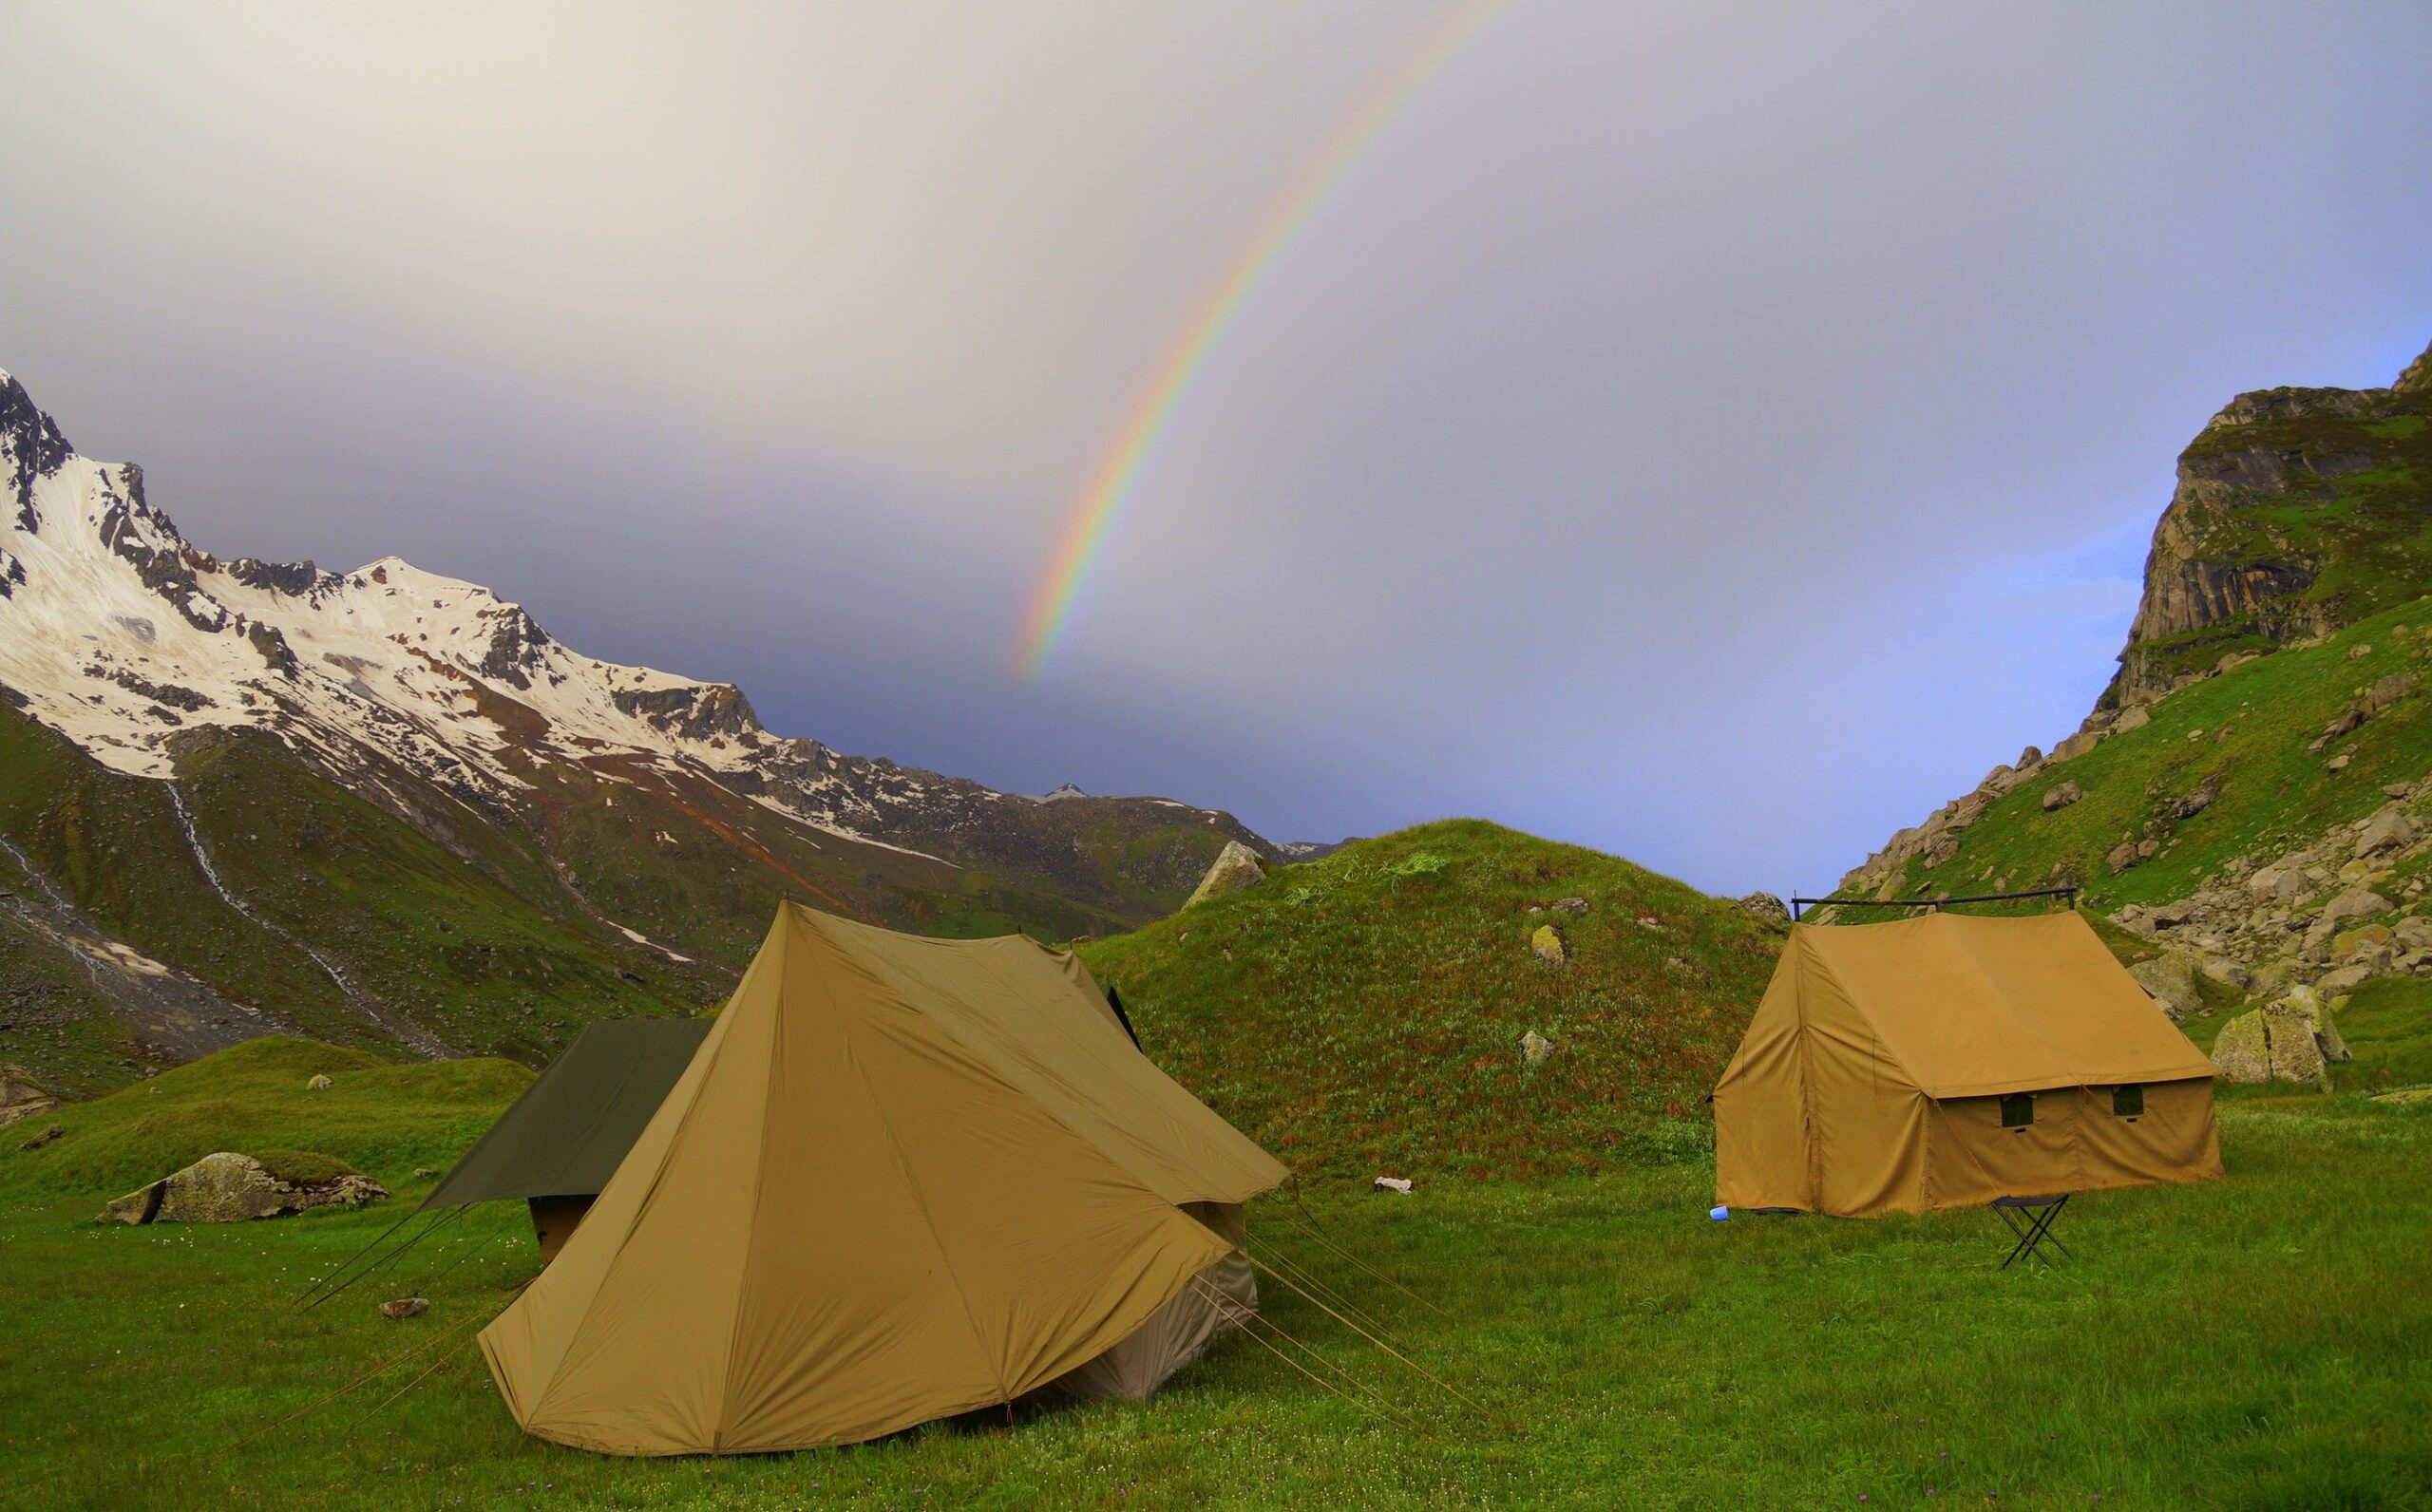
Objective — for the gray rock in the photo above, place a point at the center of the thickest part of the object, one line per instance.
(2076, 745)
(2387, 830)
(2136, 718)
(1569, 906)
(319, 1084)
(44, 1138)
(2386, 693)
(404, 1307)
(2171, 979)
(1767, 907)
(1535, 1047)
(2225, 971)
(2353, 903)
(2273, 1043)
(2194, 803)
(21, 1098)
(2122, 856)
(2061, 795)
(2345, 978)
(228, 1188)
(1236, 867)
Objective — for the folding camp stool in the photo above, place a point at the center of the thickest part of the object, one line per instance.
(2033, 1232)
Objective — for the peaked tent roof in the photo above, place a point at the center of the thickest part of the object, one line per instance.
(902, 1178)
(1970, 1007)
(566, 1134)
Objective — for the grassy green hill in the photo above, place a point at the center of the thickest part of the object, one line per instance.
(1363, 1013)
(2242, 737)
(384, 1120)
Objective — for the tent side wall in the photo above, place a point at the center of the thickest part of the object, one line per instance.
(1176, 1333)
(1762, 1155)
(1867, 1115)
(2078, 1142)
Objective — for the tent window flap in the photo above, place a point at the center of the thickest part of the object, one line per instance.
(2018, 1110)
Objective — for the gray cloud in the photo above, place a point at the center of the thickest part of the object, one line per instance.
(1712, 436)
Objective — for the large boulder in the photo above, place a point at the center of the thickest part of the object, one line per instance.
(2388, 830)
(229, 1188)
(2171, 980)
(2293, 1040)
(20, 1096)
(2061, 795)
(1236, 867)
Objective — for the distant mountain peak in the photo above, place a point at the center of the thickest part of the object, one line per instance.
(453, 711)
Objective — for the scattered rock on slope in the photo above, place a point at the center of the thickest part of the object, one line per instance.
(1236, 867)
(229, 1188)
(1546, 944)
(20, 1096)
(2171, 980)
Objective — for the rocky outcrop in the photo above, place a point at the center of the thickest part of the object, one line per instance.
(20, 1096)
(2170, 980)
(1236, 867)
(2260, 544)
(2313, 914)
(229, 1188)
(1767, 907)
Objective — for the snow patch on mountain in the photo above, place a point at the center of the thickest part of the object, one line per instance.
(122, 636)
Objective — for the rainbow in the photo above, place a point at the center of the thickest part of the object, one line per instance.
(1086, 527)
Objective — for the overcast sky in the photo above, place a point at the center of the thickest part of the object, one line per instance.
(1715, 434)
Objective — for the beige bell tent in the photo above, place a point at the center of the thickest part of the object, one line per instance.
(1947, 1060)
(902, 1178)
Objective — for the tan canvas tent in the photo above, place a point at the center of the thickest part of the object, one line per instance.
(1946, 1059)
(900, 1179)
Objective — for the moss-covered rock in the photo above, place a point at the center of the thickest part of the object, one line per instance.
(225, 1188)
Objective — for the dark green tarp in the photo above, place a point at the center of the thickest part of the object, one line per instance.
(568, 1132)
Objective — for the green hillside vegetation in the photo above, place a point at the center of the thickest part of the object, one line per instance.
(384, 1120)
(499, 934)
(2261, 1342)
(2242, 734)
(1363, 1013)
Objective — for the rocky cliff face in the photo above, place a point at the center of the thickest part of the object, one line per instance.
(2253, 794)
(2297, 511)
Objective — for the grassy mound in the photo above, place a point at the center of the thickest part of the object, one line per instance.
(381, 1119)
(1363, 1013)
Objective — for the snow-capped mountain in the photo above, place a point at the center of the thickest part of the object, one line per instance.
(451, 712)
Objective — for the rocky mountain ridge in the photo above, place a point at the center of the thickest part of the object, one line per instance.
(650, 820)
(2296, 511)
(2252, 795)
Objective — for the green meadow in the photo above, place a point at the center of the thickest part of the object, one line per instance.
(2261, 1342)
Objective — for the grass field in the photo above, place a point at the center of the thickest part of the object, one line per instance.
(2263, 1342)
